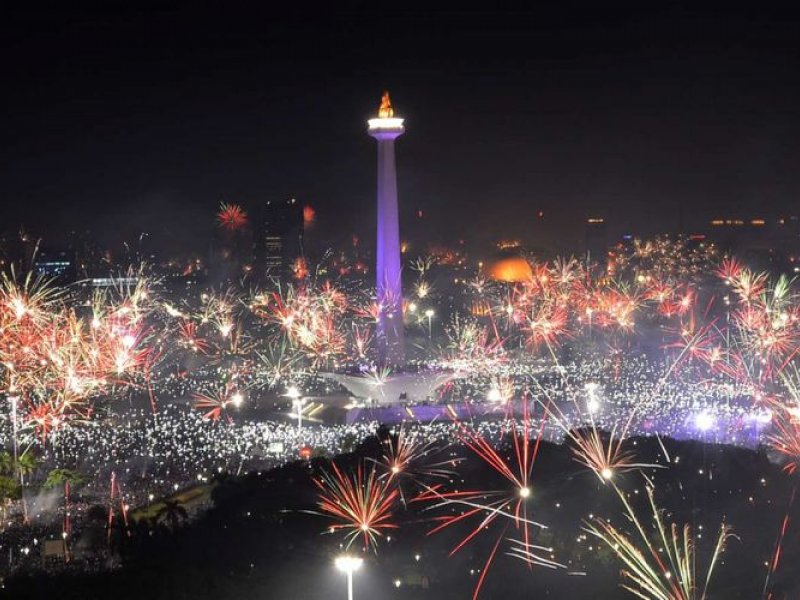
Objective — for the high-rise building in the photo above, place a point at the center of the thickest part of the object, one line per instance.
(280, 241)
(55, 265)
(596, 240)
(231, 250)
(89, 258)
(391, 339)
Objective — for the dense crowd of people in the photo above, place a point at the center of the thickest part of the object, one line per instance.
(133, 456)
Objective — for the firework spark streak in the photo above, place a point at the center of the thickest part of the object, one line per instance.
(407, 460)
(778, 551)
(55, 363)
(603, 453)
(217, 403)
(660, 567)
(360, 504)
(505, 507)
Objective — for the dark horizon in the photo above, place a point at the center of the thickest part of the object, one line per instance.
(123, 119)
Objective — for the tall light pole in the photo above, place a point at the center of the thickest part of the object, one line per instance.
(349, 565)
(297, 403)
(429, 313)
(386, 128)
(14, 400)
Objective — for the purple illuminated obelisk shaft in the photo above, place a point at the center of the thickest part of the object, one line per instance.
(388, 281)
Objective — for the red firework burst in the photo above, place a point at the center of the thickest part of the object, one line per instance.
(309, 215)
(786, 439)
(218, 403)
(360, 504)
(409, 460)
(231, 217)
(191, 339)
(505, 507)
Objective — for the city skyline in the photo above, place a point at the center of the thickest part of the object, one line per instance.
(678, 114)
(527, 327)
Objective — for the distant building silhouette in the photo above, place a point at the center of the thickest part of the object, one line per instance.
(55, 265)
(763, 242)
(280, 239)
(596, 240)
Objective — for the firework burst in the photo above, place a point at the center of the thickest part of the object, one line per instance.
(360, 504)
(504, 508)
(407, 460)
(231, 217)
(218, 403)
(661, 566)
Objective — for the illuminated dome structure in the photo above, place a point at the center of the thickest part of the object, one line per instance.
(509, 269)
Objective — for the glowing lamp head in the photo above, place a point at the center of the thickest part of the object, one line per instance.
(524, 492)
(237, 399)
(348, 564)
(704, 421)
(494, 395)
(292, 392)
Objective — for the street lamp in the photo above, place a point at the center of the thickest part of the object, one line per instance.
(348, 565)
(297, 403)
(429, 313)
(593, 403)
(494, 394)
(14, 401)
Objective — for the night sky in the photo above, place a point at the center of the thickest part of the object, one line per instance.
(125, 119)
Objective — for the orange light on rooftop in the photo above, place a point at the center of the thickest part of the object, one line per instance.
(513, 269)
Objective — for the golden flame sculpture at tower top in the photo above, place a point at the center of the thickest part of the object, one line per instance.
(386, 111)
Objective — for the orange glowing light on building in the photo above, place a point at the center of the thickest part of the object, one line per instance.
(481, 309)
(386, 111)
(511, 270)
(309, 214)
(508, 244)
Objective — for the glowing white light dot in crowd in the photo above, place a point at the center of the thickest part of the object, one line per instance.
(592, 403)
(763, 417)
